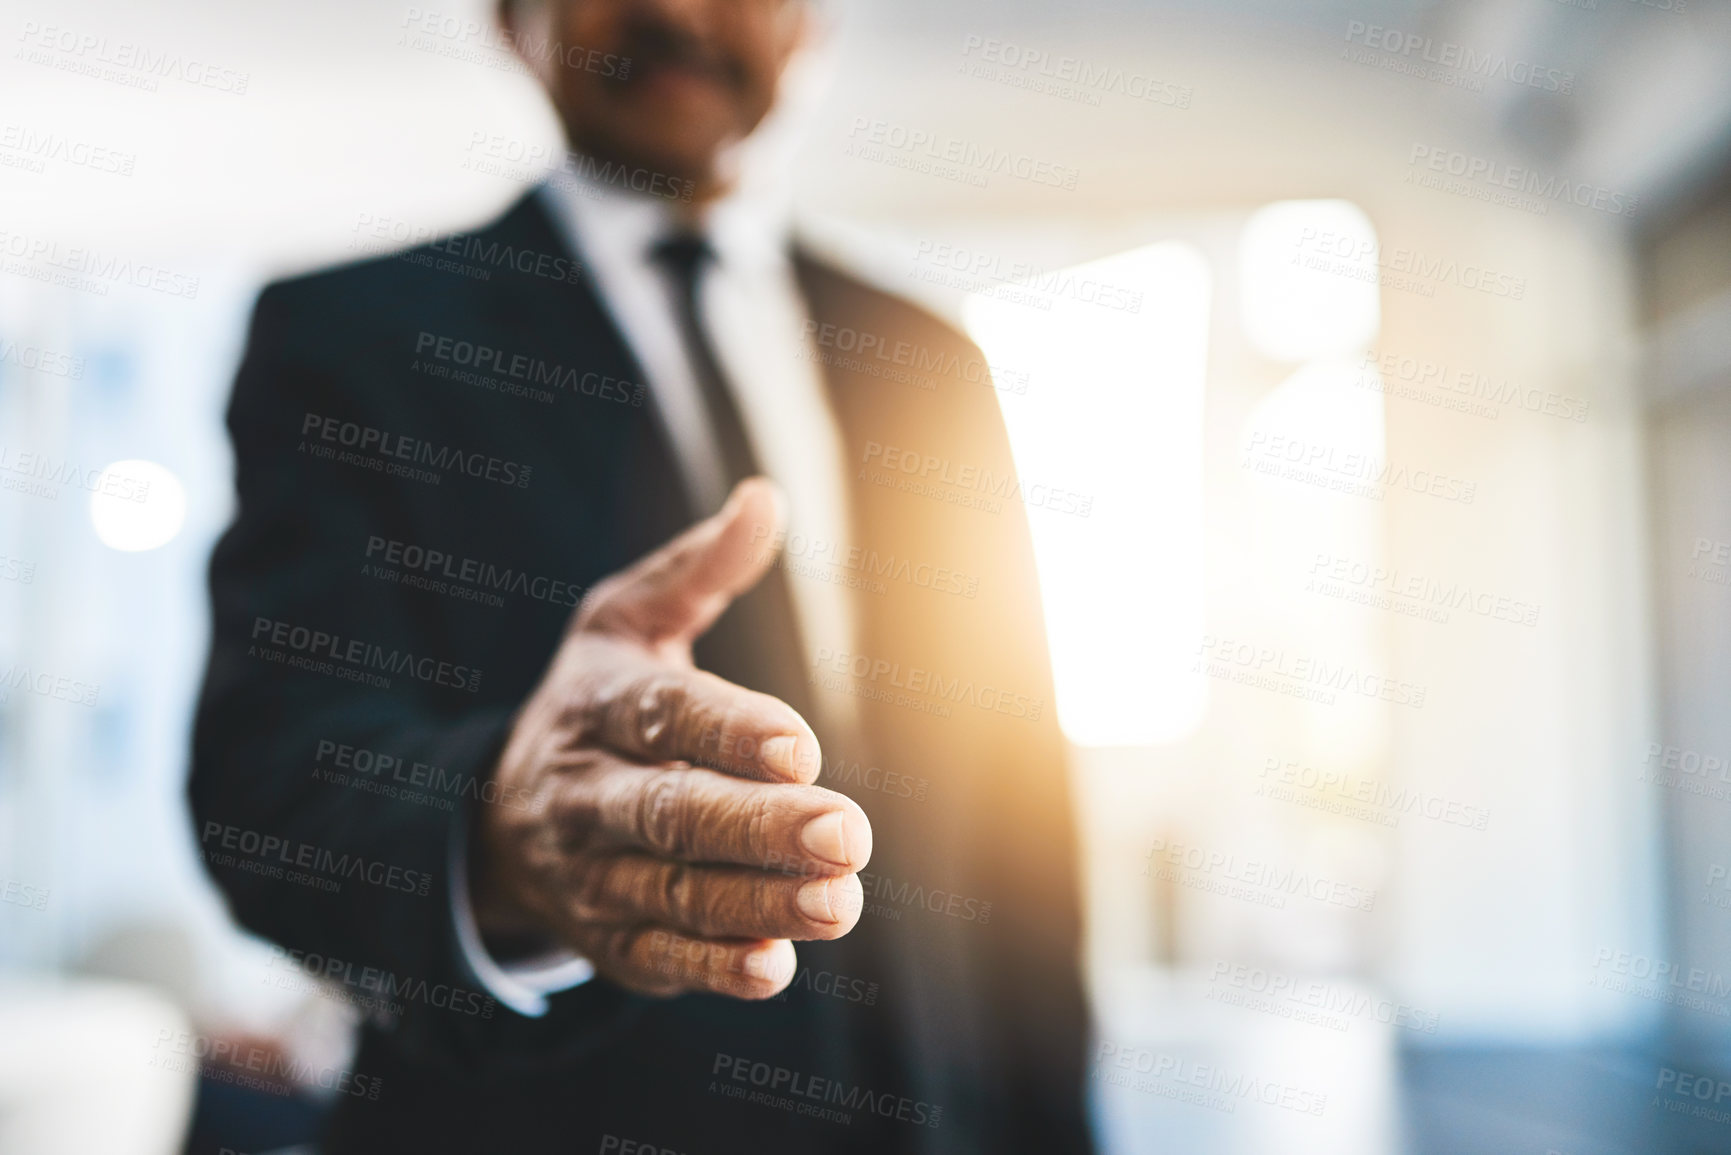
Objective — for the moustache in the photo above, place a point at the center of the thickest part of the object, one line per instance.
(652, 44)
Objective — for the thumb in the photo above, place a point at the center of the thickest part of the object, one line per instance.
(677, 592)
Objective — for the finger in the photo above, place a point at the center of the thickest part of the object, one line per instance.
(699, 816)
(651, 711)
(660, 961)
(677, 592)
(717, 901)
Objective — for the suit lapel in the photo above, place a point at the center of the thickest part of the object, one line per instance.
(621, 451)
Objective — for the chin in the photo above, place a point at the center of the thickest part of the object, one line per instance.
(687, 151)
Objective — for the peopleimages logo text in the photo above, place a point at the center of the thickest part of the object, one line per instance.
(360, 654)
(277, 850)
(526, 368)
(392, 990)
(483, 575)
(366, 439)
(1547, 187)
(817, 1089)
(917, 680)
(1470, 61)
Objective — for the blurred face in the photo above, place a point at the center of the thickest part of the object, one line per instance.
(701, 74)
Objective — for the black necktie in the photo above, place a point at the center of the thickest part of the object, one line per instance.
(685, 256)
(756, 643)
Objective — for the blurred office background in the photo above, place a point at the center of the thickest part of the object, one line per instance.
(1386, 347)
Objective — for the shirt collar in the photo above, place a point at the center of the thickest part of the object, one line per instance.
(748, 227)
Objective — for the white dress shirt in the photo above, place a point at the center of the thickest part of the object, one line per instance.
(755, 317)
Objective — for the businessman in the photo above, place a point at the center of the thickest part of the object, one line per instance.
(605, 613)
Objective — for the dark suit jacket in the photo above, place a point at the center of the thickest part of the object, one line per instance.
(436, 452)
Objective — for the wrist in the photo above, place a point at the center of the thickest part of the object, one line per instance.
(500, 914)
(508, 927)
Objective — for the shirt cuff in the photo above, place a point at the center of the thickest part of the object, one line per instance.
(522, 984)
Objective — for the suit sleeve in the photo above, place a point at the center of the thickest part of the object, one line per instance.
(318, 850)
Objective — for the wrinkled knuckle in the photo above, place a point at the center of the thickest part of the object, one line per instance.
(601, 694)
(653, 706)
(689, 963)
(619, 946)
(561, 809)
(772, 904)
(696, 726)
(575, 815)
(645, 968)
(654, 955)
(759, 823)
(662, 820)
(589, 897)
(680, 894)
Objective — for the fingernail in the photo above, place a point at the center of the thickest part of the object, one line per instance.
(767, 963)
(813, 901)
(825, 837)
(781, 754)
